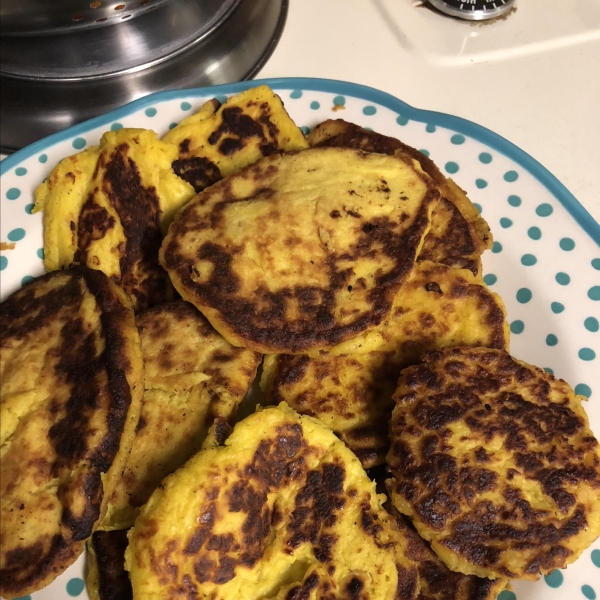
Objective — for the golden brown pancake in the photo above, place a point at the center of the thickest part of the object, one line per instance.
(350, 388)
(108, 208)
(283, 510)
(494, 462)
(72, 378)
(220, 139)
(458, 234)
(193, 378)
(436, 581)
(300, 251)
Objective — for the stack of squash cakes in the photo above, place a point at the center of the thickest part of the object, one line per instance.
(351, 267)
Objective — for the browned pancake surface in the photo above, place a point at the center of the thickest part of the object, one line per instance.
(494, 462)
(458, 234)
(71, 376)
(300, 251)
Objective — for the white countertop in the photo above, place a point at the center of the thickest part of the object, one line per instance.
(534, 82)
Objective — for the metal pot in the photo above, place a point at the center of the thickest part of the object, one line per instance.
(34, 17)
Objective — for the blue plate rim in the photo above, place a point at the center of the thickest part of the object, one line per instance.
(583, 218)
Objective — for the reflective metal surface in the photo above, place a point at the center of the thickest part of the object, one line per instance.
(32, 17)
(131, 45)
(32, 108)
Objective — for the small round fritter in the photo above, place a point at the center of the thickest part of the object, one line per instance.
(71, 380)
(458, 234)
(283, 510)
(494, 462)
(193, 376)
(350, 388)
(300, 251)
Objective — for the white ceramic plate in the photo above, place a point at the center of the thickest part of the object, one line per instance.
(545, 262)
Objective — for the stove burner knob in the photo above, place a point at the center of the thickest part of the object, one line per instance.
(473, 10)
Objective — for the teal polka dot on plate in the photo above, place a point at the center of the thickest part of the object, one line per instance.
(485, 158)
(562, 279)
(23, 598)
(430, 128)
(481, 183)
(401, 120)
(517, 326)
(185, 106)
(478, 207)
(43, 158)
(586, 354)
(369, 110)
(505, 223)
(296, 94)
(339, 101)
(150, 112)
(490, 279)
(20, 171)
(588, 592)
(457, 139)
(528, 260)
(315, 105)
(40, 253)
(507, 595)
(3, 263)
(544, 210)
(595, 553)
(305, 130)
(511, 176)
(557, 307)
(554, 579)
(497, 247)
(75, 586)
(524, 295)
(535, 233)
(172, 125)
(79, 143)
(551, 340)
(116, 126)
(13, 193)
(567, 244)
(594, 293)
(451, 167)
(596, 263)
(16, 235)
(425, 152)
(29, 208)
(582, 389)
(591, 324)
(514, 200)
(27, 279)
(221, 99)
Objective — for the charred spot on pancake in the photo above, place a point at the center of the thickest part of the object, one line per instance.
(199, 171)
(109, 549)
(495, 462)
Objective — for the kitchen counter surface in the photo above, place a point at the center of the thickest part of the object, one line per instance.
(536, 85)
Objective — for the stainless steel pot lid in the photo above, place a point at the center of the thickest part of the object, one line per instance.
(40, 99)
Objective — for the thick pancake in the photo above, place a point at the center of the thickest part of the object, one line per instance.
(108, 207)
(72, 378)
(436, 581)
(193, 376)
(283, 510)
(220, 139)
(300, 251)
(494, 462)
(458, 234)
(350, 388)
